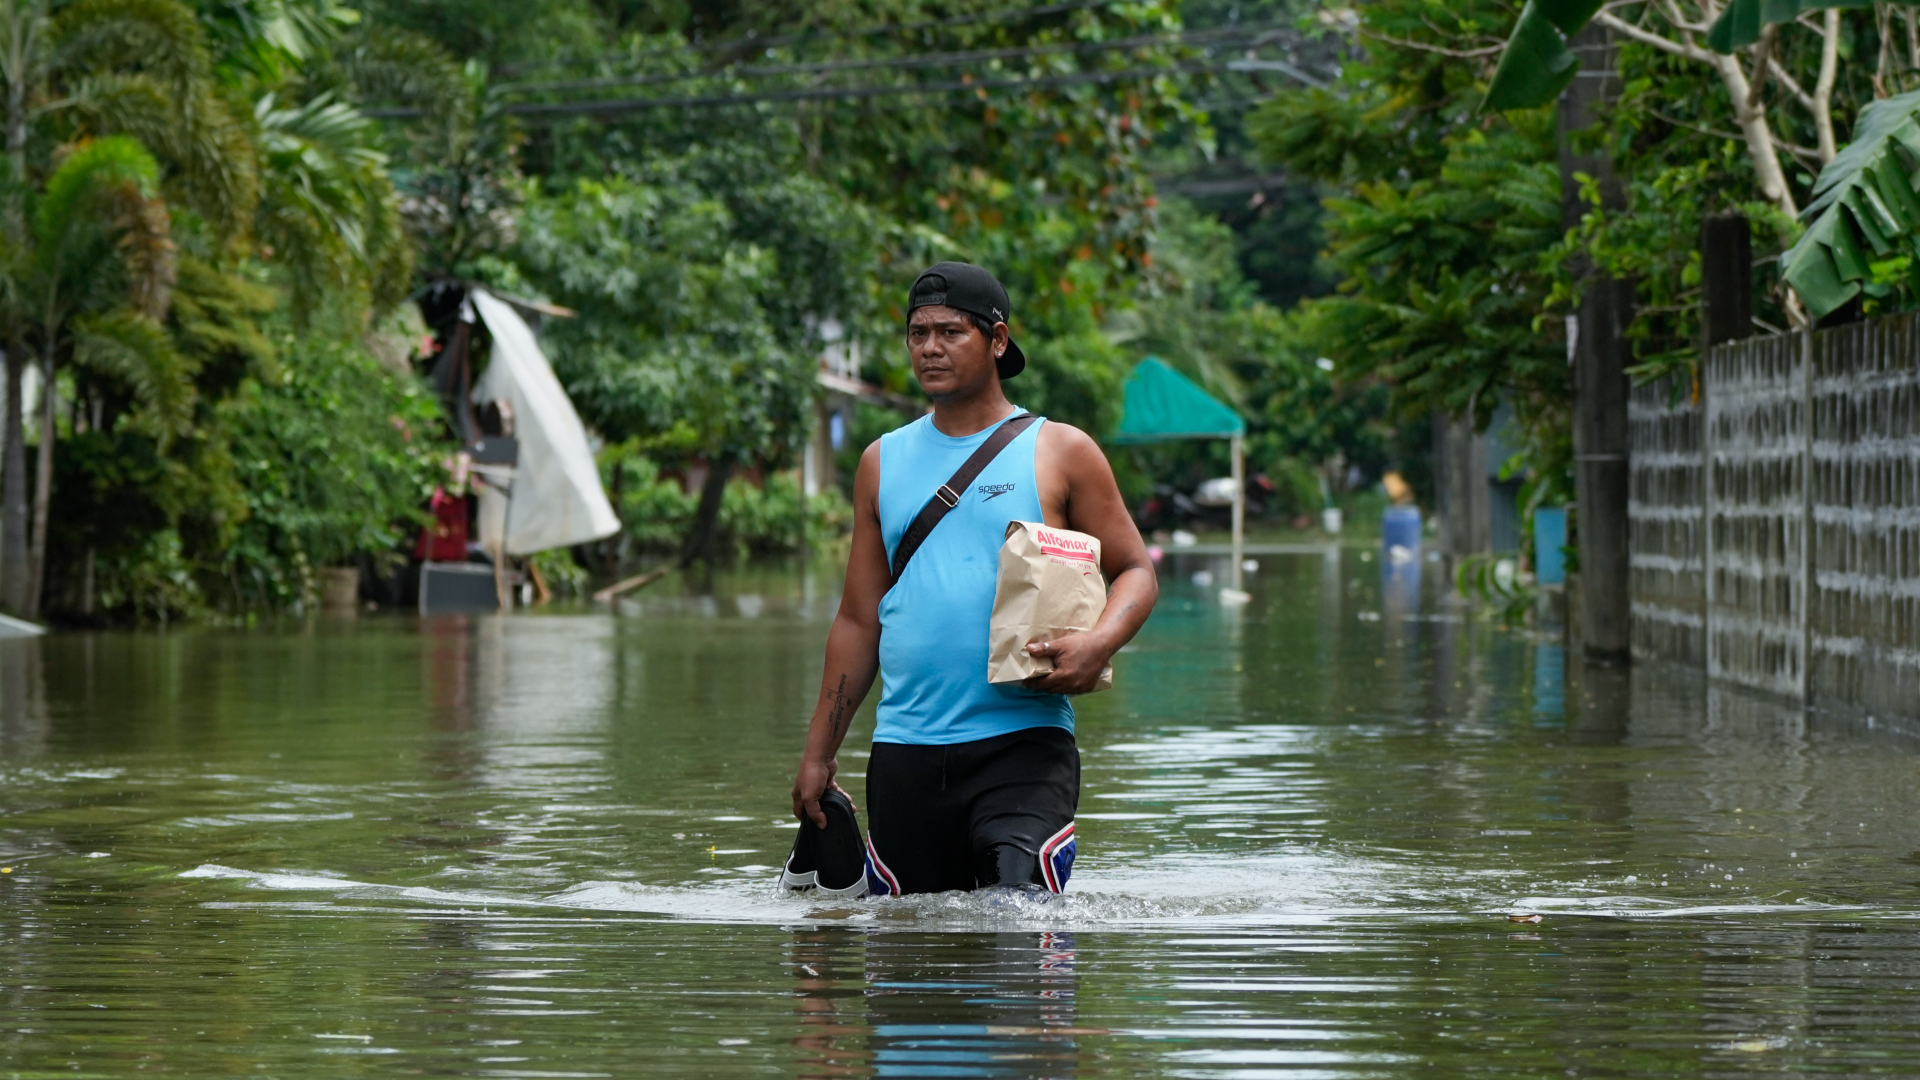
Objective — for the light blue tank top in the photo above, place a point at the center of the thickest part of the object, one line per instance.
(933, 622)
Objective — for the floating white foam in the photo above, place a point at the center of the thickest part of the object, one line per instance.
(1194, 892)
(1660, 907)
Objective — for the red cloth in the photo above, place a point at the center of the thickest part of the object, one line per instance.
(446, 539)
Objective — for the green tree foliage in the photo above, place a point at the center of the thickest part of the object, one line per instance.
(1447, 227)
(1044, 185)
(329, 213)
(689, 334)
(1438, 223)
(326, 461)
(307, 163)
(335, 459)
(1679, 159)
(706, 246)
(767, 518)
(1199, 313)
(183, 188)
(696, 327)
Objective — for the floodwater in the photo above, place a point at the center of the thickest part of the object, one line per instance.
(544, 846)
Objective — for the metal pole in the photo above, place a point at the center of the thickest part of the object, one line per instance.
(1239, 509)
(1601, 354)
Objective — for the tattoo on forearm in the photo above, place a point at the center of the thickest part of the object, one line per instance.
(838, 712)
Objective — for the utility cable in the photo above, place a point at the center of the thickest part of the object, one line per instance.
(1002, 15)
(1219, 36)
(625, 105)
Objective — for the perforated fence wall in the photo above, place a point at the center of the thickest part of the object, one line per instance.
(1755, 442)
(1666, 523)
(1865, 610)
(1775, 516)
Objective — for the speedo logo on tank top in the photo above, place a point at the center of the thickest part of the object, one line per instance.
(990, 492)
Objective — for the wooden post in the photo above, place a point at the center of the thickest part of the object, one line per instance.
(1460, 469)
(1239, 509)
(1726, 279)
(1600, 357)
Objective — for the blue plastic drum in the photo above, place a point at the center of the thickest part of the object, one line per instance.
(1400, 528)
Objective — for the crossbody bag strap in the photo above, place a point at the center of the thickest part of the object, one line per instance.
(947, 495)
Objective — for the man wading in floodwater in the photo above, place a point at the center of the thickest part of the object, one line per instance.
(971, 784)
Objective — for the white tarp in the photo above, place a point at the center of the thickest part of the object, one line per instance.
(556, 497)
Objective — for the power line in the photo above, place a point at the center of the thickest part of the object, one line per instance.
(1233, 185)
(1003, 15)
(1196, 37)
(852, 92)
(1013, 14)
(624, 105)
(1281, 66)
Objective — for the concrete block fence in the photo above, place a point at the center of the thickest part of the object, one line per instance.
(1774, 516)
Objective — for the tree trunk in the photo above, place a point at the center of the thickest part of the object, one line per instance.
(16, 56)
(42, 489)
(703, 537)
(1751, 115)
(15, 567)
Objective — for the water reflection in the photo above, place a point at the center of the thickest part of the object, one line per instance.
(1549, 685)
(23, 696)
(543, 845)
(990, 1005)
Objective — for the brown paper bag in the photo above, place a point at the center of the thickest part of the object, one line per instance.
(1050, 586)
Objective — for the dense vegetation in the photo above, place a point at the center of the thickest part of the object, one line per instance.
(217, 211)
(1444, 219)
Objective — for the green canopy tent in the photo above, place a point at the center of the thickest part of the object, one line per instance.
(1163, 405)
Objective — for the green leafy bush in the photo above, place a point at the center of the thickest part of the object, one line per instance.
(765, 519)
(562, 573)
(155, 581)
(336, 458)
(773, 517)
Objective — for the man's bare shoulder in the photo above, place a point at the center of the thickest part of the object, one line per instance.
(1069, 446)
(866, 475)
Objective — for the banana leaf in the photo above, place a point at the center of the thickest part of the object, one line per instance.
(1537, 64)
(1740, 23)
(1864, 207)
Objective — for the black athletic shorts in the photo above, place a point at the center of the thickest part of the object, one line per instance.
(997, 811)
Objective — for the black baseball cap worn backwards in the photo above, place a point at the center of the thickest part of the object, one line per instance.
(968, 288)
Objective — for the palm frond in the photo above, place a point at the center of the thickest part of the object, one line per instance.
(329, 209)
(397, 67)
(267, 35)
(216, 319)
(92, 168)
(209, 154)
(136, 351)
(162, 38)
(147, 251)
(114, 58)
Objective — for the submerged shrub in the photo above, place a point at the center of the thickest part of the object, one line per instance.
(336, 458)
(769, 518)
